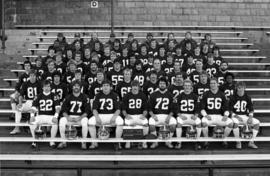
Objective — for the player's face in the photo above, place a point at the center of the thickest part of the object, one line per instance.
(162, 85)
(188, 35)
(93, 66)
(76, 88)
(32, 77)
(113, 57)
(127, 75)
(213, 85)
(179, 51)
(135, 89)
(179, 79)
(58, 58)
(134, 44)
(94, 35)
(51, 52)
(169, 59)
(139, 67)
(69, 53)
(153, 44)
(132, 60)
(223, 66)
(187, 87)
(203, 78)
(107, 51)
(216, 52)
(125, 52)
(197, 50)
(100, 76)
(208, 37)
(171, 44)
(188, 46)
(190, 60)
(240, 90)
(157, 64)
(153, 78)
(210, 59)
(38, 63)
(77, 57)
(177, 66)
(229, 79)
(47, 88)
(199, 65)
(117, 66)
(162, 51)
(78, 76)
(143, 49)
(87, 52)
(72, 67)
(77, 45)
(106, 88)
(116, 44)
(56, 79)
(27, 67)
(97, 46)
(51, 66)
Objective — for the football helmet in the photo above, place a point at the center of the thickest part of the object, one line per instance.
(191, 132)
(164, 132)
(40, 132)
(103, 133)
(246, 132)
(71, 132)
(218, 132)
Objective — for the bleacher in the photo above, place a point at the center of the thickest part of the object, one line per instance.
(245, 62)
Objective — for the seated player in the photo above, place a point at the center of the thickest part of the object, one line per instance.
(75, 110)
(47, 107)
(187, 111)
(229, 85)
(123, 87)
(161, 108)
(28, 92)
(150, 86)
(59, 88)
(203, 85)
(242, 113)
(177, 87)
(106, 111)
(134, 105)
(215, 110)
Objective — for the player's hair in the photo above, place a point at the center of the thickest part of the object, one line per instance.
(106, 81)
(215, 48)
(210, 55)
(135, 83)
(154, 72)
(188, 32)
(204, 73)
(188, 81)
(228, 74)
(170, 55)
(56, 73)
(240, 84)
(46, 82)
(94, 62)
(199, 60)
(76, 82)
(163, 79)
(213, 79)
(38, 58)
(138, 62)
(51, 61)
(51, 48)
(127, 70)
(71, 62)
(207, 34)
(222, 62)
(78, 71)
(100, 70)
(179, 73)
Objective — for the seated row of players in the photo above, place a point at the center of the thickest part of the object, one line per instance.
(162, 108)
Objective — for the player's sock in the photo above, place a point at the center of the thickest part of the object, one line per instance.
(32, 129)
(199, 131)
(179, 132)
(254, 133)
(18, 116)
(13, 106)
(54, 129)
(119, 131)
(62, 131)
(227, 131)
(84, 131)
(236, 132)
(145, 130)
(205, 131)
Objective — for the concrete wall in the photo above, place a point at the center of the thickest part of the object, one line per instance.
(139, 12)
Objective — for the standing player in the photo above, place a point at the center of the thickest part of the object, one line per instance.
(134, 107)
(215, 110)
(75, 110)
(161, 109)
(187, 111)
(242, 113)
(28, 92)
(47, 106)
(106, 111)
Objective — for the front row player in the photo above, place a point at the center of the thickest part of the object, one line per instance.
(134, 105)
(106, 111)
(161, 108)
(47, 106)
(215, 110)
(242, 113)
(187, 111)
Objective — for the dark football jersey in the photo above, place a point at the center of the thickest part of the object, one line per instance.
(30, 90)
(228, 89)
(168, 68)
(40, 71)
(197, 57)
(211, 69)
(241, 105)
(148, 67)
(149, 88)
(161, 103)
(81, 67)
(115, 77)
(46, 103)
(123, 88)
(90, 77)
(61, 68)
(188, 68)
(22, 79)
(68, 77)
(47, 76)
(180, 59)
(135, 104)
(188, 103)
(160, 74)
(175, 90)
(84, 87)
(108, 67)
(143, 58)
(220, 77)
(125, 61)
(76, 105)
(60, 90)
(214, 103)
(200, 88)
(106, 104)
(104, 60)
(87, 61)
(195, 76)
(163, 59)
(139, 76)
(218, 60)
(95, 88)
(153, 51)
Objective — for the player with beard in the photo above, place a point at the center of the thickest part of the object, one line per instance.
(188, 111)
(75, 110)
(134, 109)
(203, 85)
(161, 109)
(116, 74)
(177, 87)
(47, 106)
(138, 73)
(223, 69)
(91, 75)
(123, 87)
(215, 111)
(59, 88)
(106, 111)
(178, 57)
(211, 67)
(151, 86)
(48, 74)
(229, 85)
(70, 72)
(242, 112)
(168, 66)
(143, 56)
(195, 75)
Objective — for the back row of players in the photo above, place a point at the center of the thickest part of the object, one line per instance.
(174, 104)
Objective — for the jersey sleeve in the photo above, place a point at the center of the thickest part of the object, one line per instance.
(250, 105)
(225, 103)
(125, 102)
(65, 105)
(23, 89)
(116, 102)
(144, 103)
(36, 102)
(96, 102)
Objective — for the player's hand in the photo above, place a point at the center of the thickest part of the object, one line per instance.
(155, 118)
(183, 117)
(208, 117)
(19, 106)
(224, 118)
(98, 121)
(239, 118)
(193, 117)
(70, 119)
(249, 121)
(128, 117)
(167, 120)
(142, 117)
(54, 120)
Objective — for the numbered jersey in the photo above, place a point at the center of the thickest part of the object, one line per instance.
(46, 104)
(22, 79)
(30, 90)
(188, 68)
(218, 60)
(61, 68)
(68, 77)
(168, 68)
(241, 105)
(228, 89)
(90, 78)
(180, 59)
(47, 76)
(143, 58)
(195, 77)
(200, 88)
(211, 69)
(149, 88)
(76, 105)
(123, 88)
(220, 77)
(60, 90)
(214, 103)
(135, 104)
(175, 90)
(95, 88)
(115, 77)
(139, 76)
(160, 103)
(188, 103)
(106, 104)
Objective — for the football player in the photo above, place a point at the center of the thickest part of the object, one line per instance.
(75, 110)
(217, 57)
(243, 113)
(91, 75)
(151, 85)
(178, 57)
(70, 72)
(123, 87)
(169, 65)
(138, 73)
(96, 87)
(134, 109)
(188, 111)
(59, 64)
(176, 69)
(223, 69)
(229, 85)
(215, 110)
(189, 66)
(177, 87)
(203, 85)
(161, 109)
(106, 111)
(158, 69)
(47, 107)
(195, 75)
(50, 69)
(28, 92)
(59, 88)
(116, 74)
(211, 67)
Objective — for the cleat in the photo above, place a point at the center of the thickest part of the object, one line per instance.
(15, 131)
(62, 145)
(127, 145)
(93, 145)
(154, 145)
(178, 145)
(252, 145)
(144, 145)
(238, 145)
(83, 146)
(197, 146)
(225, 145)
(34, 145)
(52, 145)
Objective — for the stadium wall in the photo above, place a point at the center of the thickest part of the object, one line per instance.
(139, 12)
